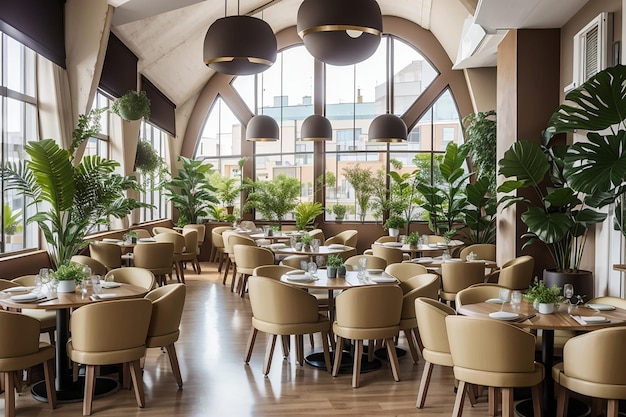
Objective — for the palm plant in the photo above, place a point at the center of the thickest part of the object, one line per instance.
(274, 198)
(306, 212)
(70, 199)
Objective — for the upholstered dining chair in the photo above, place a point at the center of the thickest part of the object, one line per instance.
(156, 257)
(230, 240)
(295, 261)
(593, 365)
(371, 262)
(405, 270)
(271, 271)
(484, 251)
(515, 274)
(217, 246)
(367, 313)
(47, 318)
(139, 277)
(247, 258)
(456, 276)
(291, 312)
(317, 234)
(494, 354)
(191, 251)
(382, 239)
(24, 351)
(618, 302)
(167, 310)
(160, 229)
(119, 337)
(248, 225)
(142, 233)
(391, 255)
(347, 238)
(108, 254)
(199, 228)
(96, 266)
(477, 293)
(178, 240)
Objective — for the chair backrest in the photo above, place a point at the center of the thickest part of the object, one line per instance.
(289, 305)
(431, 322)
(108, 254)
(489, 345)
(139, 277)
(429, 289)
(597, 357)
(485, 251)
(419, 281)
(23, 333)
(347, 237)
(372, 262)
(121, 324)
(272, 271)
(405, 270)
(160, 229)
(154, 255)
(435, 239)
(97, 268)
(386, 238)
(294, 261)
(456, 276)
(232, 239)
(369, 307)
(391, 255)
(5, 283)
(191, 240)
(318, 234)
(477, 293)
(247, 225)
(517, 274)
(199, 228)
(25, 280)
(142, 233)
(249, 257)
(173, 237)
(614, 301)
(168, 303)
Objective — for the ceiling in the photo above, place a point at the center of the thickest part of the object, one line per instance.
(167, 35)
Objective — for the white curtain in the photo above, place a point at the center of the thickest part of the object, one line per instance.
(54, 103)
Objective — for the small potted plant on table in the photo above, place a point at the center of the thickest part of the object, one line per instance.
(68, 275)
(413, 239)
(544, 299)
(394, 224)
(336, 267)
(306, 240)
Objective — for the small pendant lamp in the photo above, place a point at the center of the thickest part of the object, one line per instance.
(316, 128)
(262, 128)
(340, 32)
(387, 128)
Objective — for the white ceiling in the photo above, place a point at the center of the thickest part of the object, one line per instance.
(167, 35)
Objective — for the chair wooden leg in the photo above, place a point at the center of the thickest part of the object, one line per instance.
(507, 402)
(48, 372)
(197, 266)
(135, 373)
(269, 352)
(126, 378)
(393, 360)
(312, 341)
(424, 383)
(226, 268)
(472, 394)
(300, 349)
(171, 352)
(182, 272)
(326, 351)
(251, 340)
(9, 394)
(612, 408)
(411, 342)
(244, 285)
(338, 354)
(356, 371)
(457, 411)
(536, 394)
(90, 384)
(233, 277)
(285, 341)
(493, 394)
(371, 348)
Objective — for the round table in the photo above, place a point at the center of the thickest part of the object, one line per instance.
(547, 323)
(67, 389)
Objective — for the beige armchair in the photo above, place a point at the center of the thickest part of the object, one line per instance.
(247, 258)
(484, 251)
(199, 228)
(191, 251)
(160, 229)
(230, 240)
(97, 267)
(405, 270)
(24, 351)
(156, 257)
(167, 310)
(593, 365)
(178, 240)
(291, 312)
(118, 337)
(516, 274)
(381, 239)
(371, 262)
(47, 318)
(271, 271)
(477, 293)
(318, 234)
(142, 233)
(133, 275)
(494, 354)
(368, 313)
(391, 255)
(347, 238)
(108, 254)
(294, 261)
(456, 276)
(217, 246)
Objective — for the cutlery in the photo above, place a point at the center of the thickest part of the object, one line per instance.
(521, 319)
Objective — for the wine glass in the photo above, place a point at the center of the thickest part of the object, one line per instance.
(568, 291)
(505, 297)
(319, 260)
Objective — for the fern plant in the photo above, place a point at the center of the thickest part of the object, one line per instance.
(306, 212)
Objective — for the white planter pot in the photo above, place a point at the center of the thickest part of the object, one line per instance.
(66, 286)
(546, 308)
(394, 232)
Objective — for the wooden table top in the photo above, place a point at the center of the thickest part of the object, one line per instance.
(324, 283)
(73, 299)
(437, 262)
(559, 320)
(323, 250)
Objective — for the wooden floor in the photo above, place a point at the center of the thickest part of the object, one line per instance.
(211, 349)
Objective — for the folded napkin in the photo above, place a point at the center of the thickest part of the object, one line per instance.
(424, 260)
(107, 296)
(335, 246)
(392, 244)
(109, 284)
(106, 239)
(277, 245)
(26, 297)
(17, 289)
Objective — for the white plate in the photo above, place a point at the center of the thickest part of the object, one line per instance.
(482, 261)
(109, 240)
(375, 271)
(277, 245)
(26, 297)
(601, 307)
(335, 246)
(393, 244)
(494, 301)
(594, 319)
(380, 280)
(17, 289)
(108, 284)
(425, 260)
(301, 278)
(504, 315)
(295, 272)
(146, 239)
(454, 260)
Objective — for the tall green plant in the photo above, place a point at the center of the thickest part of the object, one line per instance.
(306, 212)
(274, 198)
(361, 180)
(190, 190)
(70, 199)
(480, 133)
(480, 212)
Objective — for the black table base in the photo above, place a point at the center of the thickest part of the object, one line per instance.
(575, 408)
(75, 391)
(316, 360)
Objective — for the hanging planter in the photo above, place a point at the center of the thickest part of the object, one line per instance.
(132, 106)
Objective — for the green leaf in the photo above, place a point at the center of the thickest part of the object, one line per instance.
(549, 227)
(561, 197)
(53, 172)
(525, 161)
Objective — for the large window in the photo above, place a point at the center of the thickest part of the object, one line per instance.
(152, 193)
(18, 118)
(99, 144)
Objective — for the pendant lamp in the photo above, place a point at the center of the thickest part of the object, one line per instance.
(387, 128)
(262, 128)
(239, 45)
(316, 128)
(340, 32)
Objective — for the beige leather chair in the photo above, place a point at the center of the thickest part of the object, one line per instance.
(178, 240)
(484, 251)
(429, 288)
(368, 313)
(614, 301)
(191, 251)
(118, 337)
(248, 225)
(271, 271)
(133, 275)
(372, 262)
(199, 228)
(494, 354)
(247, 258)
(230, 240)
(47, 318)
(318, 234)
(391, 255)
(108, 254)
(435, 239)
(477, 293)
(167, 310)
(21, 349)
(160, 229)
(593, 365)
(516, 274)
(431, 322)
(156, 257)
(381, 239)
(456, 276)
(97, 268)
(142, 233)
(405, 270)
(217, 243)
(294, 261)
(347, 238)
(291, 312)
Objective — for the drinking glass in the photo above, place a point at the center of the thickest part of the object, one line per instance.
(95, 284)
(319, 260)
(109, 278)
(315, 245)
(304, 265)
(568, 291)
(53, 284)
(293, 239)
(505, 297)
(516, 298)
(44, 277)
(312, 268)
(38, 284)
(83, 286)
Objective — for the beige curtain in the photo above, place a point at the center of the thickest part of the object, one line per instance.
(54, 103)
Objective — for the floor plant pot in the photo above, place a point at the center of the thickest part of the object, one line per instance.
(546, 308)
(66, 286)
(581, 280)
(394, 232)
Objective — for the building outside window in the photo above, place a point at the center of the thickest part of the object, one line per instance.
(152, 193)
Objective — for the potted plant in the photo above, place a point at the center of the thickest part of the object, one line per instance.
(190, 190)
(273, 198)
(336, 266)
(412, 239)
(132, 106)
(148, 161)
(394, 224)
(339, 210)
(12, 220)
(131, 236)
(362, 181)
(306, 212)
(227, 190)
(70, 198)
(306, 240)
(544, 298)
(68, 275)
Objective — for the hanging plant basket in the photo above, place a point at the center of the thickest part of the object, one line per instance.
(132, 106)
